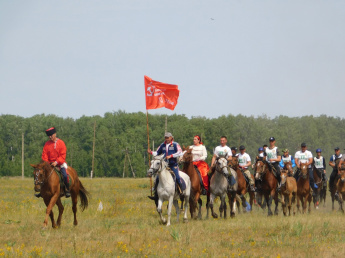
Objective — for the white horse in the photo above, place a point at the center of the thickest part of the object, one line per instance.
(219, 186)
(166, 188)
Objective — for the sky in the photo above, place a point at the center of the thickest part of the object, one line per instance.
(73, 58)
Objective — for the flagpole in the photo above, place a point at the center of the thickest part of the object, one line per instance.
(148, 144)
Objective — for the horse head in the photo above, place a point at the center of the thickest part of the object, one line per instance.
(283, 175)
(187, 156)
(304, 170)
(260, 169)
(156, 164)
(221, 164)
(40, 174)
(288, 167)
(234, 163)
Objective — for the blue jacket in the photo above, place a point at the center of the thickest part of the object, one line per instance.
(281, 163)
(172, 149)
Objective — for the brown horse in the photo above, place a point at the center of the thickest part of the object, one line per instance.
(243, 186)
(334, 187)
(47, 182)
(288, 190)
(303, 188)
(341, 188)
(269, 184)
(319, 182)
(189, 169)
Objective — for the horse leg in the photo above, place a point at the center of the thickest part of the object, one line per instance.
(159, 210)
(51, 215)
(244, 204)
(182, 200)
(74, 197)
(268, 198)
(185, 216)
(200, 205)
(283, 204)
(171, 200)
(298, 204)
(49, 212)
(251, 199)
(224, 205)
(61, 209)
(294, 203)
(309, 202)
(175, 202)
(232, 204)
(275, 197)
(221, 206)
(214, 215)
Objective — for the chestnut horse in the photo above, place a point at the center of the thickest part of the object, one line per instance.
(243, 185)
(341, 188)
(189, 169)
(303, 188)
(288, 190)
(47, 182)
(269, 184)
(319, 182)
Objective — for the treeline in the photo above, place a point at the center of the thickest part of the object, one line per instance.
(120, 130)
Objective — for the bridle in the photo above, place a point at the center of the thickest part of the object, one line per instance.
(37, 174)
(218, 167)
(263, 169)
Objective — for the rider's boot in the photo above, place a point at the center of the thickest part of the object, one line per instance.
(67, 192)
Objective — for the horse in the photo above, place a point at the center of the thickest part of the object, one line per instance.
(219, 187)
(166, 188)
(288, 190)
(189, 169)
(303, 188)
(334, 186)
(323, 193)
(319, 182)
(341, 188)
(243, 185)
(269, 184)
(47, 182)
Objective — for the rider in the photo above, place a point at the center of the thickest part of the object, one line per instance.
(234, 152)
(171, 151)
(223, 150)
(244, 162)
(273, 158)
(199, 155)
(305, 156)
(332, 162)
(286, 158)
(54, 152)
(320, 164)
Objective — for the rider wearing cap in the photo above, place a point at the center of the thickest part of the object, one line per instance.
(171, 151)
(244, 162)
(273, 158)
(234, 152)
(320, 164)
(286, 157)
(54, 152)
(305, 156)
(332, 162)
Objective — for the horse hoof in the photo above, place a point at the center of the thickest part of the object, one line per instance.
(215, 216)
(185, 220)
(232, 215)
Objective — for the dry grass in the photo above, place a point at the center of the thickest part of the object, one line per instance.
(129, 226)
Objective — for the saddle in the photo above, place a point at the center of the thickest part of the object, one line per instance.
(203, 189)
(62, 184)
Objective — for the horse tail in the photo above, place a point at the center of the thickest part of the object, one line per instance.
(84, 194)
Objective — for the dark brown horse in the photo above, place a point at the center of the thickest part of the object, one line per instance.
(47, 182)
(319, 182)
(242, 185)
(341, 188)
(303, 188)
(269, 185)
(189, 169)
(334, 187)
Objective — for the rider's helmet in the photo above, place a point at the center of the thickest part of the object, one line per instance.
(318, 150)
(261, 149)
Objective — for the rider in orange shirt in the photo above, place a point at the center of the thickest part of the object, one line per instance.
(54, 152)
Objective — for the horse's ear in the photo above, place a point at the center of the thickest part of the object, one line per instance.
(257, 157)
(183, 148)
(33, 165)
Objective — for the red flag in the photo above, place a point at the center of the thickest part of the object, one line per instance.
(159, 94)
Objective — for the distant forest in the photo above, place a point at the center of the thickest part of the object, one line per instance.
(120, 130)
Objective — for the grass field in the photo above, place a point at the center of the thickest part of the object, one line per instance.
(129, 226)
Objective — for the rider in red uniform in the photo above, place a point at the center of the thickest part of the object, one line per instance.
(54, 152)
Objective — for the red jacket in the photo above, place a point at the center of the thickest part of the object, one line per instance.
(54, 151)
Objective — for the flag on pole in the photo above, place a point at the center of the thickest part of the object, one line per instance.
(159, 94)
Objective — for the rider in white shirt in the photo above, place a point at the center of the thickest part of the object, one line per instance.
(305, 156)
(273, 158)
(244, 162)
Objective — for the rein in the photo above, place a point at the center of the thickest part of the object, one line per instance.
(37, 182)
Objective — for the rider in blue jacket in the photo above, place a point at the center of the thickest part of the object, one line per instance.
(286, 158)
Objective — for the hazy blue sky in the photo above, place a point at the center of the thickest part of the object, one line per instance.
(74, 58)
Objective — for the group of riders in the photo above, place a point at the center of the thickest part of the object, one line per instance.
(270, 153)
(54, 152)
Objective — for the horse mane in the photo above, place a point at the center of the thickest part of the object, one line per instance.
(45, 165)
